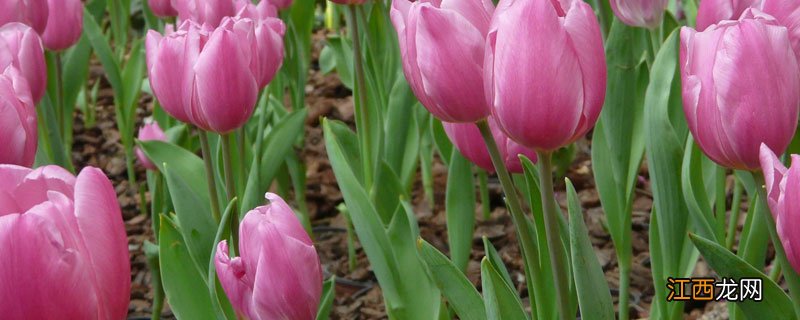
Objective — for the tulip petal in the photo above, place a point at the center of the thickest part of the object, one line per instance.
(33, 189)
(234, 279)
(477, 12)
(169, 70)
(100, 222)
(774, 172)
(65, 25)
(788, 218)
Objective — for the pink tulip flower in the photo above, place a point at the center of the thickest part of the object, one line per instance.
(211, 77)
(713, 11)
(148, 132)
(442, 44)
(269, 31)
(18, 135)
(787, 12)
(63, 243)
(30, 12)
(545, 71)
(204, 11)
(728, 114)
(162, 8)
(21, 48)
(783, 196)
(277, 274)
(64, 24)
(467, 138)
(640, 13)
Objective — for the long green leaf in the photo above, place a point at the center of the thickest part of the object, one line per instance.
(460, 209)
(326, 302)
(103, 51)
(501, 301)
(459, 291)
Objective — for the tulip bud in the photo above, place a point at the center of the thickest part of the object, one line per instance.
(269, 31)
(204, 11)
(545, 71)
(64, 24)
(21, 48)
(277, 274)
(783, 196)
(469, 141)
(713, 11)
(728, 115)
(640, 13)
(30, 12)
(63, 243)
(148, 132)
(18, 136)
(206, 76)
(162, 8)
(432, 36)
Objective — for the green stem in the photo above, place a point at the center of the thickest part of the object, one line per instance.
(210, 176)
(792, 279)
(624, 288)
(720, 206)
(483, 187)
(553, 233)
(736, 210)
(362, 113)
(240, 143)
(515, 207)
(230, 185)
(60, 95)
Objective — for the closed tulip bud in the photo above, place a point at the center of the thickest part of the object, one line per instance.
(713, 11)
(728, 115)
(433, 36)
(204, 11)
(148, 132)
(31, 12)
(64, 24)
(783, 196)
(640, 13)
(63, 243)
(162, 8)
(467, 138)
(269, 31)
(545, 71)
(21, 48)
(277, 274)
(18, 135)
(206, 76)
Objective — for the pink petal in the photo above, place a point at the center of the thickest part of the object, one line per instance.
(65, 25)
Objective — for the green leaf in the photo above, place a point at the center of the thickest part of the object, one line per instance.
(495, 260)
(460, 209)
(189, 192)
(502, 302)
(775, 303)
(132, 75)
(344, 59)
(326, 302)
(593, 294)
(441, 140)
(103, 51)
(459, 291)
(694, 191)
(184, 285)
(222, 308)
(399, 124)
(387, 193)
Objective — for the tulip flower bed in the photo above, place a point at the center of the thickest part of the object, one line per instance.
(396, 159)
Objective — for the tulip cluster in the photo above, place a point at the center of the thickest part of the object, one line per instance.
(59, 22)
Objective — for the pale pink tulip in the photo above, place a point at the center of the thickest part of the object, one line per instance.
(277, 274)
(64, 24)
(467, 138)
(204, 11)
(640, 13)
(442, 44)
(21, 48)
(18, 136)
(31, 12)
(545, 71)
(148, 132)
(63, 243)
(728, 114)
(162, 8)
(783, 196)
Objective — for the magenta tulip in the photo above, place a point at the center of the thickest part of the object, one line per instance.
(30, 12)
(442, 44)
(148, 132)
(713, 11)
(640, 13)
(210, 77)
(162, 8)
(277, 274)
(467, 138)
(21, 48)
(783, 196)
(269, 31)
(64, 24)
(728, 115)
(63, 243)
(204, 11)
(545, 71)
(18, 136)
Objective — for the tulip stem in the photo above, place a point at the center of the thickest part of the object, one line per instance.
(60, 95)
(552, 231)
(529, 249)
(792, 279)
(362, 114)
(736, 211)
(210, 177)
(720, 205)
(230, 185)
